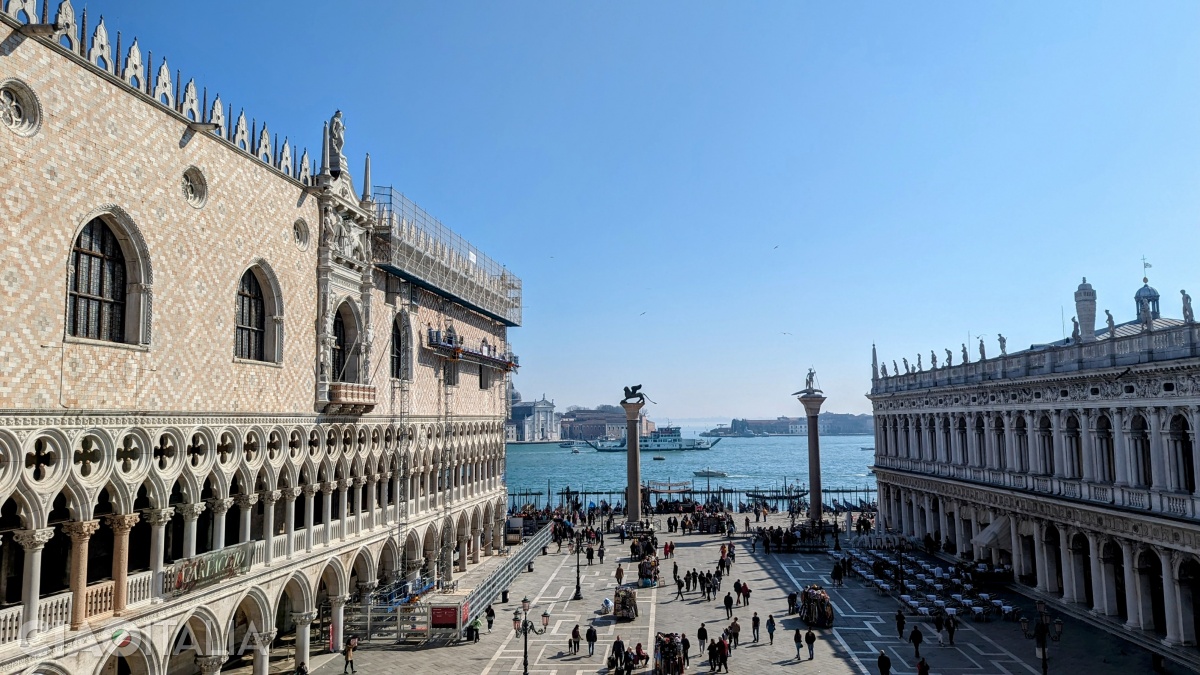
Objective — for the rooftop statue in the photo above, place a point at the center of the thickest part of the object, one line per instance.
(982, 354)
(1188, 316)
(932, 360)
(1112, 325)
(966, 357)
(895, 368)
(1003, 345)
(883, 370)
(907, 370)
(632, 393)
(918, 363)
(337, 139)
(809, 379)
(1074, 329)
(949, 358)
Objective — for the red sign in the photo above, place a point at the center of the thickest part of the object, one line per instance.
(444, 617)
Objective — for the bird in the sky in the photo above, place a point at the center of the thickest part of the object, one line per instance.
(642, 314)
(776, 246)
(784, 333)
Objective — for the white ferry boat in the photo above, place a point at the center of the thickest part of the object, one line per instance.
(666, 438)
(711, 473)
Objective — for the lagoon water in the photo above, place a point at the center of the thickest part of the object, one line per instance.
(763, 463)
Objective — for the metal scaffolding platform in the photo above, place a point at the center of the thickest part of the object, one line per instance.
(420, 249)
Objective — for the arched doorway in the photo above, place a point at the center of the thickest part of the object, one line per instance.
(249, 633)
(1054, 562)
(1113, 567)
(198, 636)
(1150, 592)
(1189, 599)
(294, 621)
(1081, 568)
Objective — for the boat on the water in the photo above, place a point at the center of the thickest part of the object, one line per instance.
(664, 439)
(866, 448)
(659, 458)
(574, 451)
(711, 473)
(573, 444)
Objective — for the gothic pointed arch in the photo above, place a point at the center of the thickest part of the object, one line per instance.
(259, 315)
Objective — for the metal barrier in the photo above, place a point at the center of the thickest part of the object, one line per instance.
(502, 578)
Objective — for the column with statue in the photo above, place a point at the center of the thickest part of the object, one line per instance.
(632, 403)
(810, 397)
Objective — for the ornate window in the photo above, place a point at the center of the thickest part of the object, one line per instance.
(19, 108)
(338, 356)
(401, 348)
(251, 319)
(96, 298)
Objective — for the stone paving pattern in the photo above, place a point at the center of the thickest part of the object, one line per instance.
(864, 625)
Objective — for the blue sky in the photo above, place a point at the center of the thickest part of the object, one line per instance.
(707, 198)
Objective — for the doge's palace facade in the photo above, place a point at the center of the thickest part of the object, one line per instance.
(239, 387)
(1074, 462)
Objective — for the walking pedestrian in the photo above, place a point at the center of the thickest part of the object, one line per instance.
(576, 638)
(619, 574)
(951, 626)
(735, 633)
(746, 594)
(590, 553)
(713, 660)
(754, 623)
(737, 589)
(348, 655)
(728, 605)
(939, 624)
(810, 639)
(476, 628)
(723, 653)
(771, 628)
(885, 664)
(791, 603)
(591, 640)
(600, 553)
(301, 669)
(679, 585)
(686, 646)
(799, 640)
(916, 638)
(900, 624)
(702, 635)
(490, 614)
(922, 667)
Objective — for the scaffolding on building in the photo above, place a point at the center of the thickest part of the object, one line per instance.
(421, 250)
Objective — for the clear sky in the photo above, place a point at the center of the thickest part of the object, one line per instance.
(707, 198)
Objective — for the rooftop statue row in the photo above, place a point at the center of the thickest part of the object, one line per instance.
(1082, 330)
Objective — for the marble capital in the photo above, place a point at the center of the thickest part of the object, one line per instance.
(246, 501)
(33, 540)
(222, 505)
(311, 490)
(210, 665)
(270, 497)
(80, 530)
(121, 523)
(304, 618)
(339, 601)
(159, 517)
(191, 511)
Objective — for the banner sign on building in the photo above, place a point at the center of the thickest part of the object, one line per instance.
(189, 574)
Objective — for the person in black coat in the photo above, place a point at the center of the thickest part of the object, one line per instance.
(591, 640)
(916, 638)
(885, 664)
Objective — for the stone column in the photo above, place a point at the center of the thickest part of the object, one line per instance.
(955, 443)
(303, 622)
(158, 519)
(633, 461)
(1087, 439)
(80, 533)
(210, 665)
(385, 480)
(219, 508)
(245, 509)
(359, 482)
(1170, 597)
(191, 513)
(121, 524)
(1158, 468)
(269, 498)
(960, 542)
(1121, 457)
(462, 553)
(310, 493)
(929, 524)
(989, 442)
(976, 528)
(1132, 606)
(943, 522)
(1068, 565)
(487, 537)
(1018, 557)
(289, 519)
(31, 586)
(1056, 435)
(1039, 554)
(475, 538)
(904, 522)
(1099, 595)
(337, 606)
(344, 503)
(327, 511)
(1193, 413)
(262, 652)
(811, 399)
(1010, 443)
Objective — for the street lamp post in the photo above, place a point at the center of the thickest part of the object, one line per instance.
(578, 546)
(1044, 632)
(523, 627)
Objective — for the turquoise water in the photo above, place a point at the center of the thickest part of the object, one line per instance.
(763, 463)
